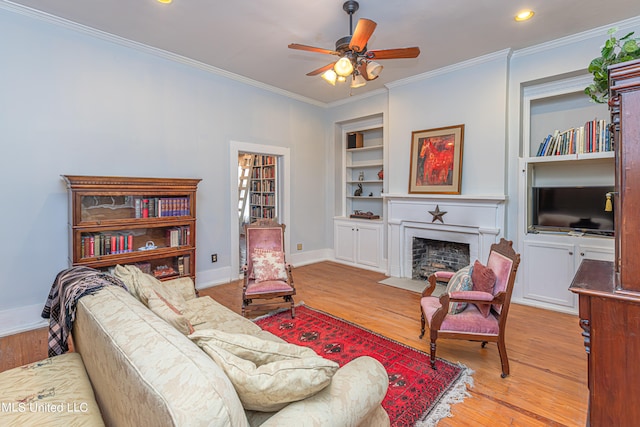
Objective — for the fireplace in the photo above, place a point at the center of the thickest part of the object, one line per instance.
(429, 256)
(471, 225)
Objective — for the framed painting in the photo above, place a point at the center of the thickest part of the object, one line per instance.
(436, 160)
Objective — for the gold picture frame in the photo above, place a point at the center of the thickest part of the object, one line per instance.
(436, 160)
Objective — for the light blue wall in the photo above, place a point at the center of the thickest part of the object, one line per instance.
(72, 103)
(473, 94)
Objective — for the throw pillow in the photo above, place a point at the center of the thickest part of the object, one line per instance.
(460, 281)
(268, 265)
(483, 279)
(267, 375)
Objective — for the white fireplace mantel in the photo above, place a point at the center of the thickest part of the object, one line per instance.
(475, 220)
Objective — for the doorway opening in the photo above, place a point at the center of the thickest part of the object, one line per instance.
(258, 193)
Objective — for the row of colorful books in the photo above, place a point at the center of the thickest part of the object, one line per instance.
(258, 212)
(157, 207)
(593, 137)
(99, 244)
(263, 199)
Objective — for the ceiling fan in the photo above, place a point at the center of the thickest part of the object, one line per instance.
(354, 58)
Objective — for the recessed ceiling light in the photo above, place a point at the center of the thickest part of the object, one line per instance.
(524, 15)
(165, 1)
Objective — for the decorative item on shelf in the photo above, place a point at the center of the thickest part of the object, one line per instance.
(613, 52)
(364, 215)
(148, 246)
(361, 176)
(436, 160)
(371, 194)
(381, 174)
(164, 271)
(358, 191)
(608, 205)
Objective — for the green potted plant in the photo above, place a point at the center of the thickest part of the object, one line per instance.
(614, 51)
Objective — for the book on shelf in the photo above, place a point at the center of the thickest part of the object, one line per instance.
(99, 244)
(178, 236)
(159, 207)
(593, 137)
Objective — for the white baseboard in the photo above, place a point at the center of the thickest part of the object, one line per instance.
(546, 306)
(213, 277)
(21, 319)
(310, 257)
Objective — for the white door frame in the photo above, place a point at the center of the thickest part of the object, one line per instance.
(284, 199)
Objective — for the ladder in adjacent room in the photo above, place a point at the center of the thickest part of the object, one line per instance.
(245, 163)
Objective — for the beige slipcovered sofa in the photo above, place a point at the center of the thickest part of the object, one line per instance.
(146, 372)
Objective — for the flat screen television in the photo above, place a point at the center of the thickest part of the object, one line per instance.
(579, 209)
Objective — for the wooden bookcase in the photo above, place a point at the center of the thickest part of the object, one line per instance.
(148, 222)
(609, 292)
(263, 188)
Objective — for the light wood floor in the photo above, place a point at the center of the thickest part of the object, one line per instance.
(547, 385)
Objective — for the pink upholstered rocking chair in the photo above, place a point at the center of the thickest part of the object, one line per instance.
(473, 315)
(267, 276)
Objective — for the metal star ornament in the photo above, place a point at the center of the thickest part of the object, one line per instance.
(437, 214)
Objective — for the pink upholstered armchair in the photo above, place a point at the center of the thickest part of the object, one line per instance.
(267, 275)
(475, 314)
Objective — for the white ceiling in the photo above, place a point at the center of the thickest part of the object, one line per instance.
(250, 38)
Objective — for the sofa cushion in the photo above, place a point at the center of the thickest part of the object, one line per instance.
(169, 382)
(143, 286)
(460, 281)
(268, 265)
(267, 375)
(30, 393)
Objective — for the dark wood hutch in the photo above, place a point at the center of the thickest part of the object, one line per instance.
(609, 292)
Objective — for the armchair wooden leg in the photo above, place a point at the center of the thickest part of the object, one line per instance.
(504, 360)
(433, 354)
(293, 307)
(422, 324)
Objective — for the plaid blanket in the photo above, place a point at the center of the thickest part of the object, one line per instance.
(68, 287)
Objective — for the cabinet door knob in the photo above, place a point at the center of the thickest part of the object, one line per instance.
(581, 253)
(570, 253)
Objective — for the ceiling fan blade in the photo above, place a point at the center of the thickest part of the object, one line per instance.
(406, 52)
(312, 49)
(321, 69)
(364, 30)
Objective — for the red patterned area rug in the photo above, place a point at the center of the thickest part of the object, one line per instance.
(417, 395)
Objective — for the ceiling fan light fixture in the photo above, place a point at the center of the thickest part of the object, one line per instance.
(342, 79)
(357, 81)
(330, 76)
(343, 67)
(373, 70)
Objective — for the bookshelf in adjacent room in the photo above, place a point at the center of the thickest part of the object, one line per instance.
(147, 222)
(263, 188)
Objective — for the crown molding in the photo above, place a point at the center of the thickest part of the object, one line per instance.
(355, 98)
(505, 53)
(103, 35)
(625, 25)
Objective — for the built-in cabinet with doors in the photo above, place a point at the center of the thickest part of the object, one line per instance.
(359, 223)
(566, 170)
